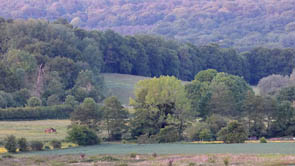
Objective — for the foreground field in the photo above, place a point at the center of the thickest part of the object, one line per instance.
(34, 130)
(152, 160)
(176, 148)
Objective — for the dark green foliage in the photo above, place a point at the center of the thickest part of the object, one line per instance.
(20, 97)
(9, 81)
(36, 145)
(55, 144)
(108, 158)
(88, 114)
(234, 132)
(10, 143)
(23, 144)
(287, 94)
(217, 93)
(34, 113)
(168, 134)
(206, 75)
(82, 135)
(115, 118)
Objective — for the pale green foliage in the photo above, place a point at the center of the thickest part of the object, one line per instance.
(70, 100)
(34, 101)
(159, 103)
(20, 59)
(161, 90)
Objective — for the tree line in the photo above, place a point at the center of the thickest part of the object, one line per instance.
(53, 60)
(214, 106)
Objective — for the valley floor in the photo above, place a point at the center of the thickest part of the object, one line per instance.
(152, 160)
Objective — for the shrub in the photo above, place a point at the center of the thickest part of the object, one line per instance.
(262, 140)
(36, 145)
(82, 135)
(122, 164)
(226, 161)
(154, 155)
(212, 159)
(34, 102)
(108, 158)
(168, 134)
(23, 144)
(47, 148)
(192, 164)
(234, 132)
(55, 144)
(133, 155)
(10, 144)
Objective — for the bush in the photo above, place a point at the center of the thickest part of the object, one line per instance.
(234, 132)
(262, 140)
(108, 158)
(36, 145)
(10, 144)
(34, 102)
(168, 134)
(82, 135)
(34, 113)
(47, 148)
(55, 144)
(23, 144)
(133, 155)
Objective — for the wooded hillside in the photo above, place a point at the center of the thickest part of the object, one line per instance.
(242, 24)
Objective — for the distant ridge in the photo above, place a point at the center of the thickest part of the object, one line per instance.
(241, 24)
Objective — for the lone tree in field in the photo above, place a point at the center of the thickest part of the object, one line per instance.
(234, 132)
(159, 103)
(115, 118)
(88, 114)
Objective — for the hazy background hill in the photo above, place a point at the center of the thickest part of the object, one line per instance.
(241, 24)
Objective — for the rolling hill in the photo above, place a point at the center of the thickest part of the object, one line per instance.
(121, 85)
(241, 24)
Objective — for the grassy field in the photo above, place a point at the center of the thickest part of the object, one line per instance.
(152, 160)
(34, 130)
(177, 148)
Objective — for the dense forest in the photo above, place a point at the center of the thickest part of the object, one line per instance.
(240, 24)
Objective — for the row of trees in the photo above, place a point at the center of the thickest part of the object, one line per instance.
(214, 106)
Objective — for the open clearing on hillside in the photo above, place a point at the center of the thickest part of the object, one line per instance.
(121, 85)
(34, 130)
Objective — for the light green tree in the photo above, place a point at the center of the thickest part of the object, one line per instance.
(158, 103)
